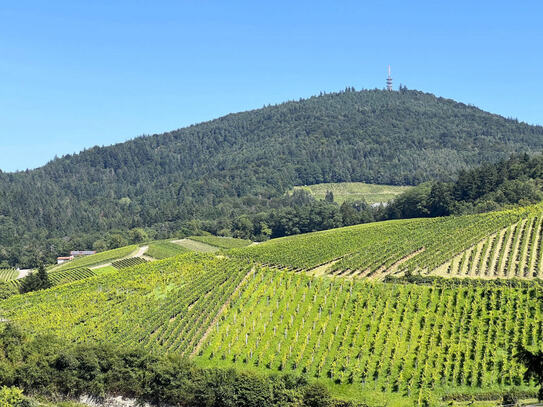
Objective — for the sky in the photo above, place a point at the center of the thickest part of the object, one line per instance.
(75, 74)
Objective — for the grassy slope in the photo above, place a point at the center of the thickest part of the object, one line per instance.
(195, 246)
(344, 191)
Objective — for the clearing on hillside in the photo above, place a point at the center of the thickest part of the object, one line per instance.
(222, 242)
(355, 191)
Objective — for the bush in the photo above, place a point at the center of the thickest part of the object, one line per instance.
(11, 397)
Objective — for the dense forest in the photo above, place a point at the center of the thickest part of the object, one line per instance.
(242, 164)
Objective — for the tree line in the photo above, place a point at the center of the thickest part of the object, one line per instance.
(242, 165)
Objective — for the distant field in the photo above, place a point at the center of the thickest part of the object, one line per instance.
(355, 191)
(164, 249)
(222, 242)
(195, 246)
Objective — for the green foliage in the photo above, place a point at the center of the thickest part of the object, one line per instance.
(8, 274)
(397, 338)
(67, 276)
(10, 397)
(222, 242)
(355, 191)
(35, 281)
(488, 187)
(51, 367)
(7, 290)
(244, 163)
(124, 263)
(376, 249)
(164, 249)
(164, 305)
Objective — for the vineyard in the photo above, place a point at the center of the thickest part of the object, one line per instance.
(164, 249)
(222, 242)
(272, 307)
(515, 251)
(166, 304)
(98, 258)
(59, 277)
(8, 274)
(497, 244)
(383, 337)
(124, 263)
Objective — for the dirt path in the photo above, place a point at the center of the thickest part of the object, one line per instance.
(23, 273)
(221, 311)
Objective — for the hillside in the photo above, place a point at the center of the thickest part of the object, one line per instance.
(491, 245)
(322, 306)
(237, 164)
(355, 191)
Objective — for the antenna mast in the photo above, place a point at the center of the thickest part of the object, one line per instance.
(389, 80)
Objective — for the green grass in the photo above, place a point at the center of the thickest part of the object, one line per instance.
(195, 246)
(222, 242)
(352, 191)
(97, 259)
(163, 249)
(104, 270)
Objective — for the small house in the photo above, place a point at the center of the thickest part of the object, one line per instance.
(61, 260)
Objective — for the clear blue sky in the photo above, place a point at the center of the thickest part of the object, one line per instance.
(75, 74)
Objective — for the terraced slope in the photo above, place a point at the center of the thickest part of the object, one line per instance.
(163, 249)
(8, 274)
(498, 244)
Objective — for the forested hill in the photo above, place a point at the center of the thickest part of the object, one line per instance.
(224, 167)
